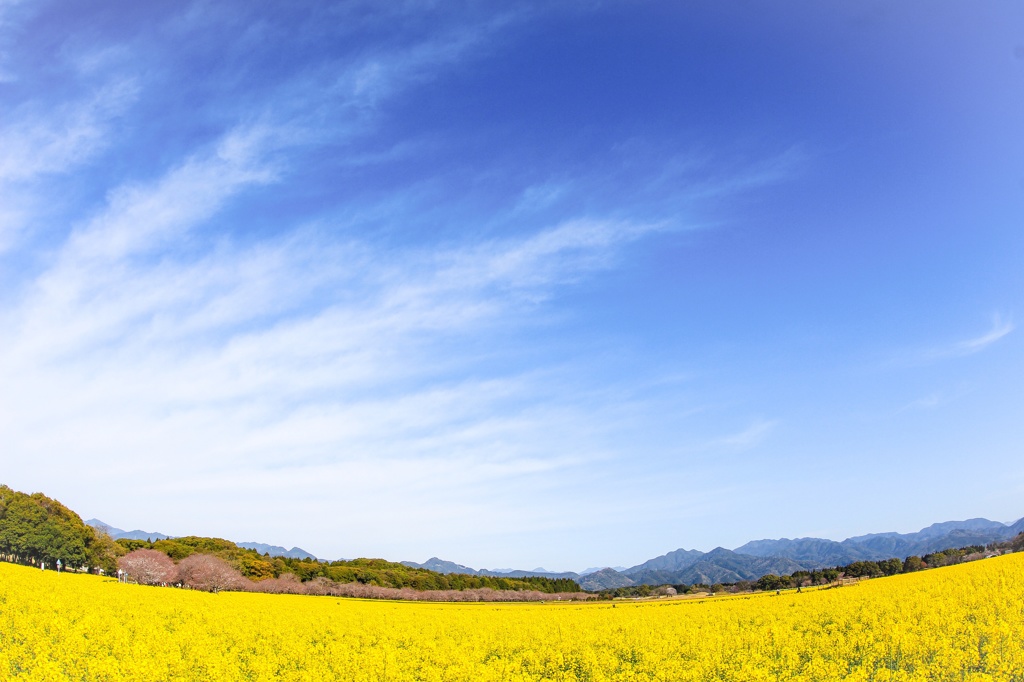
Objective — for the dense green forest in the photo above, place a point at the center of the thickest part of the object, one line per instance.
(35, 528)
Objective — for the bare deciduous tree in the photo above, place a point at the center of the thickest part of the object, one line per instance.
(205, 572)
(287, 583)
(479, 594)
(320, 586)
(148, 567)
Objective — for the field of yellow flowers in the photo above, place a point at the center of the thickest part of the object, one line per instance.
(960, 623)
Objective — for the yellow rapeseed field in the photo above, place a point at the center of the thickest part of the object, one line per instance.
(960, 623)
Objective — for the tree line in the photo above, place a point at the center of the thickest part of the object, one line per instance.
(373, 572)
(148, 566)
(35, 529)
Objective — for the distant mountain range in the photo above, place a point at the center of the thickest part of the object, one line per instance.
(816, 552)
(760, 557)
(276, 550)
(442, 566)
(272, 550)
(688, 566)
(117, 533)
(595, 569)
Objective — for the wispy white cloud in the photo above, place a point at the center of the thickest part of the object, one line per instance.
(751, 436)
(38, 142)
(96, 61)
(142, 219)
(7, 8)
(700, 444)
(379, 76)
(312, 366)
(928, 402)
(1000, 329)
(223, 360)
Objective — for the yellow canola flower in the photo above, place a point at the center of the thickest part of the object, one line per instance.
(959, 623)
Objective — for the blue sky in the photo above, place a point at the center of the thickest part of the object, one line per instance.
(565, 286)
